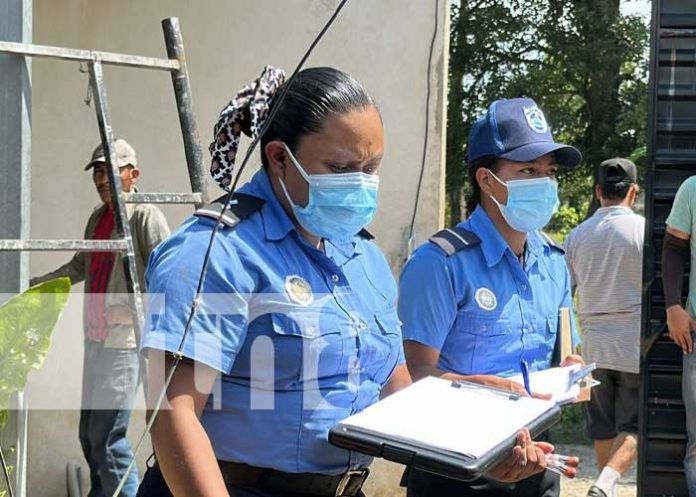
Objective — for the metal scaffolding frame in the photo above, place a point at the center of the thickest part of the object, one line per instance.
(15, 148)
(176, 65)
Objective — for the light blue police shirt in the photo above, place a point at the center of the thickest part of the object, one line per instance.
(303, 338)
(480, 308)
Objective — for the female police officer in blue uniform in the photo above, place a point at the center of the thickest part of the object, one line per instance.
(484, 296)
(298, 307)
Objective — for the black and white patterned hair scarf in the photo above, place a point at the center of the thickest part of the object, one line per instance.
(246, 112)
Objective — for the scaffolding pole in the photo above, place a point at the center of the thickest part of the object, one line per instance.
(15, 196)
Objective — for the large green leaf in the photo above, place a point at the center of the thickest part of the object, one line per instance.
(27, 321)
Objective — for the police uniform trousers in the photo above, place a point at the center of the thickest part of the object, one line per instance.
(154, 485)
(422, 484)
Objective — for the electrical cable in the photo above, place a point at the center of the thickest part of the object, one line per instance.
(178, 355)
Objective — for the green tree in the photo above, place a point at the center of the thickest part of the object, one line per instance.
(582, 60)
(492, 43)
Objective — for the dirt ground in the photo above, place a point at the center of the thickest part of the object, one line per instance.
(587, 475)
(384, 478)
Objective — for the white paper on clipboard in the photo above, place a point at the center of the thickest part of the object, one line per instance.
(462, 418)
(553, 381)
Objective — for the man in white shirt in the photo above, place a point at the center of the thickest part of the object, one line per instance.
(605, 257)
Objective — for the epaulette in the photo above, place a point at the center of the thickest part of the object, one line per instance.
(552, 243)
(452, 240)
(363, 233)
(240, 207)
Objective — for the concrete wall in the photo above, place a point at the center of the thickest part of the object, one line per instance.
(383, 43)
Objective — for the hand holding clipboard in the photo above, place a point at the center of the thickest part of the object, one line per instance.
(564, 354)
(432, 425)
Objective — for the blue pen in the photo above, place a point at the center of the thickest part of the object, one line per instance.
(525, 376)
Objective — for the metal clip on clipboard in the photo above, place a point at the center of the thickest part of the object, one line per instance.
(580, 376)
(493, 391)
(456, 429)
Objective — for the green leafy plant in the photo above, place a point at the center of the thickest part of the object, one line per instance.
(27, 321)
(26, 324)
(563, 222)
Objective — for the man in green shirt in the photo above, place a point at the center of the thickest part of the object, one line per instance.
(677, 246)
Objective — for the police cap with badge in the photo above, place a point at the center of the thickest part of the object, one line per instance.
(513, 129)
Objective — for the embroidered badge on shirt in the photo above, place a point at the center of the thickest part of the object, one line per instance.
(299, 290)
(486, 299)
(536, 119)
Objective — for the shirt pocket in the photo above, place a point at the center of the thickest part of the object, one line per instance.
(309, 347)
(385, 345)
(550, 324)
(483, 344)
(547, 338)
(551, 335)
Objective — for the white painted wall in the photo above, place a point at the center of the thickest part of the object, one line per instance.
(383, 43)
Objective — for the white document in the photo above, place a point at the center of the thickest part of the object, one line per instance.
(463, 419)
(554, 381)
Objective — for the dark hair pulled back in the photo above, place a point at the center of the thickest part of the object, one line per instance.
(316, 94)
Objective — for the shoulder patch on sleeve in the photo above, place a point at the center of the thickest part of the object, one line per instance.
(551, 242)
(240, 207)
(452, 240)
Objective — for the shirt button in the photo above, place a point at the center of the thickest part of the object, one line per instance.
(363, 325)
(335, 278)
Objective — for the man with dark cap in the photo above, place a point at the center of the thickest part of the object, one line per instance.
(111, 364)
(605, 258)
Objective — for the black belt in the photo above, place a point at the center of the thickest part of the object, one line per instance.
(348, 484)
(345, 485)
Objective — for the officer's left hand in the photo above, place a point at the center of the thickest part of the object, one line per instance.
(573, 359)
(527, 459)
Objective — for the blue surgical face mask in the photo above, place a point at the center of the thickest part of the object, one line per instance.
(531, 203)
(339, 205)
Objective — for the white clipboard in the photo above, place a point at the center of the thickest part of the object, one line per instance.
(456, 429)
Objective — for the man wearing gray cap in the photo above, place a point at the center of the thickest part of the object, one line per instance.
(111, 364)
(605, 258)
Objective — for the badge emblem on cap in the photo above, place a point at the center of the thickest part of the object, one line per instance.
(486, 299)
(536, 119)
(299, 290)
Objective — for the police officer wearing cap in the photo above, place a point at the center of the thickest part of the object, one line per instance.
(482, 299)
(296, 327)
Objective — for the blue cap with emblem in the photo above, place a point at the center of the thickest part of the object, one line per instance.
(517, 130)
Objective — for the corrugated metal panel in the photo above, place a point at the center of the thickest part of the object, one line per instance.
(672, 159)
